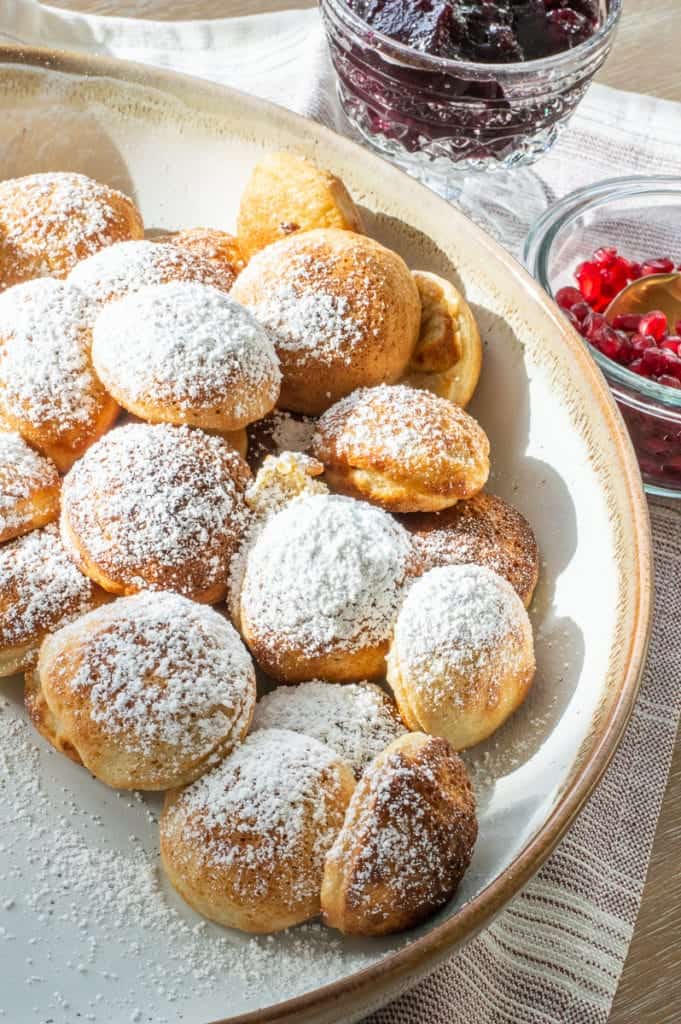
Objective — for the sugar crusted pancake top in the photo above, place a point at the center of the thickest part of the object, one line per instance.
(40, 587)
(57, 215)
(158, 670)
(326, 572)
(158, 507)
(22, 473)
(457, 618)
(407, 433)
(357, 720)
(126, 267)
(46, 374)
(188, 344)
(262, 807)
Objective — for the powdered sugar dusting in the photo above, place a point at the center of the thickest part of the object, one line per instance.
(317, 305)
(484, 530)
(159, 669)
(127, 267)
(46, 376)
(357, 720)
(188, 344)
(279, 481)
(22, 473)
(65, 875)
(413, 430)
(158, 506)
(57, 218)
(326, 572)
(457, 619)
(40, 587)
(265, 805)
(408, 835)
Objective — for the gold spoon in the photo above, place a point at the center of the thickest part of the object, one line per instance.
(659, 291)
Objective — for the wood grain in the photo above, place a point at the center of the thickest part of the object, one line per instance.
(645, 59)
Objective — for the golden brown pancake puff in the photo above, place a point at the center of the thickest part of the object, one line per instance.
(42, 718)
(49, 391)
(406, 842)
(156, 507)
(150, 691)
(129, 266)
(29, 488)
(447, 358)
(357, 720)
(324, 581)
(285, 194)
(343, 312)
(186, 353)
(245, 845)
(212, 244)
(462, 655)
(402, 449)
(40, 591)
(484, 530)
(48, 222)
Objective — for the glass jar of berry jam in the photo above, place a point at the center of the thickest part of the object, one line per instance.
(495, 104)
(571, 247)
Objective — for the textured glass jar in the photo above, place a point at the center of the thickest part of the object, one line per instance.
(437, 117)
(641, 217)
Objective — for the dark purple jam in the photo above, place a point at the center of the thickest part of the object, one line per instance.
(496, 31)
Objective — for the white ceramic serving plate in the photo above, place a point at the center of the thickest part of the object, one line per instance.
(88, 928)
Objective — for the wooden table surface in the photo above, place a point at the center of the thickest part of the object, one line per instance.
(646, 58)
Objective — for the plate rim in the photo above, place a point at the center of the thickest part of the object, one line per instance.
(423, 954)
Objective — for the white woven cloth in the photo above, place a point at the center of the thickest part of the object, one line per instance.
(556, 954)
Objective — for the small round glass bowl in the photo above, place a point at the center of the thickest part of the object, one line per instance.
(642, 218)
(438, 118)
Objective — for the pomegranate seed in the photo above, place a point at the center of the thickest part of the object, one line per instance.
(669, 382)
(614, 279)
(568, 297)
(632, 270)
(608, 343)
(589, 280)
(671, 362)
(671, 345)
(640, 342)
(626, 351)
(654, 324)
(677, 327)
(638, 367)
(605, 257)
(593, 323)
(572, 319)
(627, 322)
(659, 266)
(581, 310)
(653, 361)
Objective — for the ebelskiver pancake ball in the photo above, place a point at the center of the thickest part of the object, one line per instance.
(376, 593)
